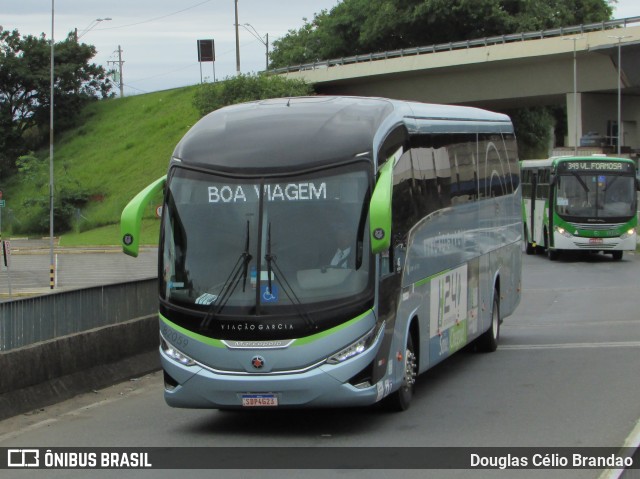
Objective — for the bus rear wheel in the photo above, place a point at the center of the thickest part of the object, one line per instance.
(401, 399)
(488, 342)
(529, 247)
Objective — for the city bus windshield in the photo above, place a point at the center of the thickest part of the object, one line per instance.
(596, 196)
(266, 246)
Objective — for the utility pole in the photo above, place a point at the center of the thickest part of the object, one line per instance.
(119, 62)
(237, 42)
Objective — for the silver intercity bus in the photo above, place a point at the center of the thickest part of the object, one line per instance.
(324, 251)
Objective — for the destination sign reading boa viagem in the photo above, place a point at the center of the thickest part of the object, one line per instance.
(272, 192)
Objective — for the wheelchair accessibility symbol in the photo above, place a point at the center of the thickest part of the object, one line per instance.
(269, 296)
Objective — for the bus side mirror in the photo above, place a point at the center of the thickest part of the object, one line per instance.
(637, 184)
(552, 180)
(380, 210)
(131, 218)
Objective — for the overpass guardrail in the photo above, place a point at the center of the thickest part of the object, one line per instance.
(26, 321)
(55, 346)
(480, 42)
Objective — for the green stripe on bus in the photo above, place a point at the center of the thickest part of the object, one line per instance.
(216, 343)
(328, 332)
(428, 279)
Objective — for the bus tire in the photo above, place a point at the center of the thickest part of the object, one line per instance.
(400, 400)
(529, 249)
(488, 341)
(617, 255)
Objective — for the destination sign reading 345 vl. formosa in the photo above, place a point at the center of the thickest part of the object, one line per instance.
(595, 166)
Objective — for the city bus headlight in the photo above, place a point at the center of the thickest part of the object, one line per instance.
(174, 354)
(629, 233)
(357, 347)
(563, 232)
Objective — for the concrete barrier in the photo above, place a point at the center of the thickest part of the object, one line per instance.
(48, 372)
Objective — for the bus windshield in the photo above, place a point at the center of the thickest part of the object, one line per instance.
(600, 196)
(266, 246)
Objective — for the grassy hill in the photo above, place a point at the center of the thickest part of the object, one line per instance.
(120, 146)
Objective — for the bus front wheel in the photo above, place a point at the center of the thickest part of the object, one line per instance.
(617, 255)
(401, 399)
(552, 254)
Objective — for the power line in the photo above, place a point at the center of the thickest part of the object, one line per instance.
(155, 18)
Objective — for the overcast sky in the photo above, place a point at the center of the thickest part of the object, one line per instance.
(158, 37)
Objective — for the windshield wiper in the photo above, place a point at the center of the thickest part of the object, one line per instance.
(581, 181)
(610, 183)
(238, 272)
(268, 256)
(273, 268)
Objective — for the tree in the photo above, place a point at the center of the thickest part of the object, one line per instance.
(368, 26)
(25, 69)
(356, 27)
(242, 88)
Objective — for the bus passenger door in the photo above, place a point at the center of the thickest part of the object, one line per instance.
(534, 184)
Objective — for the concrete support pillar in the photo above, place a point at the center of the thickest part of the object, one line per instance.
(574, 119)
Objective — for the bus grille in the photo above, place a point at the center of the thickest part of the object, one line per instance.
(596, 226)
(595, 246)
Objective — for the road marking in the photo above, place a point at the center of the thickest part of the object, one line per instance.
(632, 442)
(520, 347)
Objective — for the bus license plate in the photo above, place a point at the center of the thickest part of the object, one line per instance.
(596, 241)
(259, 400)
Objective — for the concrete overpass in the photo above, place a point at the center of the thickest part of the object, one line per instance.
(506, 72)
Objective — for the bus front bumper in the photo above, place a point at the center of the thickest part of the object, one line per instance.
(323, 386)
(627, 243)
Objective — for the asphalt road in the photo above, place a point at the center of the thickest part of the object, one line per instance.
(565, 374)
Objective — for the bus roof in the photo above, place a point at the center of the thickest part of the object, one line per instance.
(306, 132)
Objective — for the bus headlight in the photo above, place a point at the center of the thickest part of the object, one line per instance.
(563, 232)
(357, 347)
(629, 233)
(174, 354)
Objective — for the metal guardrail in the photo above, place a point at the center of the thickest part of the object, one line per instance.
(31, 320)
(480, 42)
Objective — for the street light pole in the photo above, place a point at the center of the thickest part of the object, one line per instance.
(90, 27)
(619, 38)
(237, 42)
(51, 263)
(264, 41)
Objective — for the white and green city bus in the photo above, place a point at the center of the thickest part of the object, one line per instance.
(580, 203)
(257, 308)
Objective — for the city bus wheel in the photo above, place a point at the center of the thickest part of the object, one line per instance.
(530, 249)
(488, 342)
(617, 255)
(552, 254)
(400, 400)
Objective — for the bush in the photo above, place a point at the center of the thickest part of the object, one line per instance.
(243, 88)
